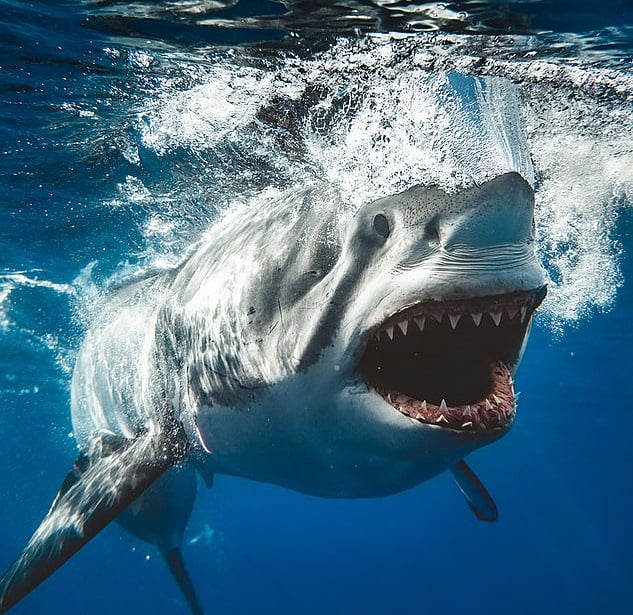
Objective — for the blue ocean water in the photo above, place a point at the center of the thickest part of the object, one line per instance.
(126, 128)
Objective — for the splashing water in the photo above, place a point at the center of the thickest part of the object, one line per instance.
(375, 116)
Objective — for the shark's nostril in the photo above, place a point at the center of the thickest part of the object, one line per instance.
(432, 229)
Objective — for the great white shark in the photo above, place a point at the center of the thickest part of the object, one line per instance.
(344, 356)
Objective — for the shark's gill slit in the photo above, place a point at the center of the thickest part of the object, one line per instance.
(450, 363)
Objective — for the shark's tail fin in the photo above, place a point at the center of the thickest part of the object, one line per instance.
(103, 483)
(159, 517)
(176, 564)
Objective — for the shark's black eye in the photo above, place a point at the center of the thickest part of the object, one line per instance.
(381, 225)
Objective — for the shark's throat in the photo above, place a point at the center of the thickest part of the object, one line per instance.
(449, 363)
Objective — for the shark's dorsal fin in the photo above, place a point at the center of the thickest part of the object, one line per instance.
(105, 480)
(477, 496)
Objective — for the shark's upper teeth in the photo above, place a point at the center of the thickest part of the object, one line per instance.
(438, 316)
(453, 313)
(454, 319)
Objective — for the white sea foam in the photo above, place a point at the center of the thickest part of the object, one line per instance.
(201, 117)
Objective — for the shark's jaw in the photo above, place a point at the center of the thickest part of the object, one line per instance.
(450, 364)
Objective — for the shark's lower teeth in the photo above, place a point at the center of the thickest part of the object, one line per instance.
(495, 411)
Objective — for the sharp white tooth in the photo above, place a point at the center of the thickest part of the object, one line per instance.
(424, 405)
(488, 404)
(454, 318)
(512, 312)
(443, 406)
(523, 312)
(467, 424)
(476, 316)
(496, 317)
(467, 411)
(420, 322)
(438, 316)
(390, 332)
(389, 397)
(441, 419)
(497, 400)
(404, 325)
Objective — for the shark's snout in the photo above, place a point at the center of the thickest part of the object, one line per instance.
(499, 213)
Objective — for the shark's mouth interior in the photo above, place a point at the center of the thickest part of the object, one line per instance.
(449, 363)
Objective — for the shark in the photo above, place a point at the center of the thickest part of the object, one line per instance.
(342, 355)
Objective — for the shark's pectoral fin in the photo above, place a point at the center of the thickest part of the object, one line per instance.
(477, 496)
(204, 471)
(176, 564)
(103, 483)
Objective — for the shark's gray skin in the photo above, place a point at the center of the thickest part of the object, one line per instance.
(338, 355)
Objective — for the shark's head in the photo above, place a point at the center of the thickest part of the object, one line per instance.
(440, 320)
(435, 330)
(372, 359)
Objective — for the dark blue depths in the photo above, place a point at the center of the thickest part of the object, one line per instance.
(562, 477)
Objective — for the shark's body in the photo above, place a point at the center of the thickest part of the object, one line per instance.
(342, 356)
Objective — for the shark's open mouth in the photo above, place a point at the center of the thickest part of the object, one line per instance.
(449, 363)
